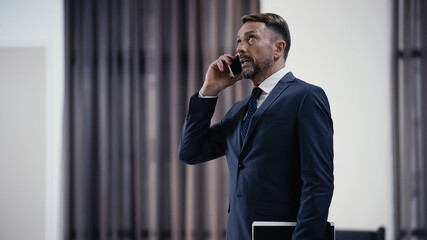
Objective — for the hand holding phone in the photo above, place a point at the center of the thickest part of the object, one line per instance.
(235, 67)
(218, 77)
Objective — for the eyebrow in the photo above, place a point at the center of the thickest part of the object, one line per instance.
(249, 32)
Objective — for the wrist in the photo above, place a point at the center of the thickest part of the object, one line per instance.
(206, 96)
(205, 91)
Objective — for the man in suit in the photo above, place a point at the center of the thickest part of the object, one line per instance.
(278, 142)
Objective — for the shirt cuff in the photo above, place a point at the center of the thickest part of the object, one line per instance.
(201, 96)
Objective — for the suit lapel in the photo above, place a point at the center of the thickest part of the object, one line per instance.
(274, 94)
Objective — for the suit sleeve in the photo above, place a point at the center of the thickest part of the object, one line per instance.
(201, 142)
(315, 136)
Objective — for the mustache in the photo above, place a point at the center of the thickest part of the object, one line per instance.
(246, 58)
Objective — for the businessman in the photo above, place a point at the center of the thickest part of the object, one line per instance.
(278, 142)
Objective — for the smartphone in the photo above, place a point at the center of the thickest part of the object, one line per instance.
(235, 67)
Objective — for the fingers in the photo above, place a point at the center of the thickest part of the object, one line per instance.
(222, 61)
(218, 77)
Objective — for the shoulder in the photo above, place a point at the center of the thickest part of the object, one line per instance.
(313, 99)
(307, 89)
(308, 94)
(305, 85)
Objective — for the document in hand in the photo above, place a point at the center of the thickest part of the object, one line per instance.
(283, 230)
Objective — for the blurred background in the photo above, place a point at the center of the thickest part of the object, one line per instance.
(93, 95)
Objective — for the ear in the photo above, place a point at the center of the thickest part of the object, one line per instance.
(279, 48)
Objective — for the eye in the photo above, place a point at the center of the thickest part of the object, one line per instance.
(251, 39)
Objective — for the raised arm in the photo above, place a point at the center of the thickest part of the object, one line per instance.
(201, 142)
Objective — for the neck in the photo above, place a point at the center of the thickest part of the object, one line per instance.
(260, 77)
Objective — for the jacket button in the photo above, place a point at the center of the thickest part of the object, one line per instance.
(241, 166)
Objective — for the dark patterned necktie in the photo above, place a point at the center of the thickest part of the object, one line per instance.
(252, 106)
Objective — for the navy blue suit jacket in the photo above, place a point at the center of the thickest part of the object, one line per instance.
(286, 160)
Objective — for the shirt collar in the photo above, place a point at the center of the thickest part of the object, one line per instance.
(268, 84)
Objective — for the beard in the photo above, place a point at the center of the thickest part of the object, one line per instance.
(257, 68)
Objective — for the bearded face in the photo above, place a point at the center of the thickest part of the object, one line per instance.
(258, 65)
(255, 49)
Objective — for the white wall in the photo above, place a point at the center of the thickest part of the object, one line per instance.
(345, 47)
(39, 24)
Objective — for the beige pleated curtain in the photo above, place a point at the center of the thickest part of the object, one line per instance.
(131, 66)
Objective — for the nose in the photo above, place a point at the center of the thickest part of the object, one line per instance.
(240, 48)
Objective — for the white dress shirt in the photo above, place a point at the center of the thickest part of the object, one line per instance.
(268, 84)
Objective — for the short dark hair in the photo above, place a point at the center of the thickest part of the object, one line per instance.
(275, 22)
